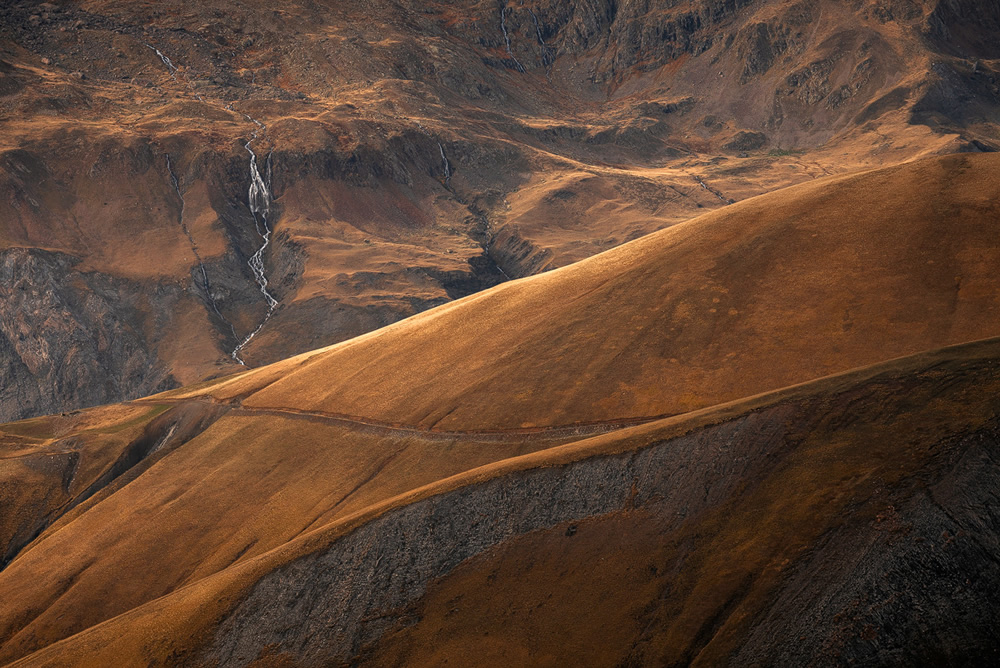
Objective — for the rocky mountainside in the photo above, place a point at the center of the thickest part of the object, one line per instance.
(691, 449)
(197, 186)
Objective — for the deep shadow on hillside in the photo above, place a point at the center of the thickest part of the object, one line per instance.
(842, 520)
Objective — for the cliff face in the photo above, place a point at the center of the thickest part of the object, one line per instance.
(413, 153)
(71, 338)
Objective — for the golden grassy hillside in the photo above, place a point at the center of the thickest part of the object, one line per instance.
(684, 540)
(415, 152)
(776, 290)
(162, 515)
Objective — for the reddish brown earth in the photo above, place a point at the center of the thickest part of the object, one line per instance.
(415, 157)
(636, 332)
(539, 474)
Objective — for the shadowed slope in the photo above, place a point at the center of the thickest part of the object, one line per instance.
(692, 539)
(773, 291)
(247, 483)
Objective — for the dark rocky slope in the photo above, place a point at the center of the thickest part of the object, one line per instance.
(871, 543)
(64, 339)
(849, 520)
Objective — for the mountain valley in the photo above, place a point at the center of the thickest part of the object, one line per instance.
(397, 333)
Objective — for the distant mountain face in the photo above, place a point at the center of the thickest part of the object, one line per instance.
(188, 187)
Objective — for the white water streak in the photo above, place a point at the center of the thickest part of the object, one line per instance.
(541, 42)
(446, 164)
(259, 201)
(506, 38)
(171, 68)
(163, 439)
(712, 190)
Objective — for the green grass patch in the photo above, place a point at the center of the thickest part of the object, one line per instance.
(783, 152)
(39, 428)
(119, 427)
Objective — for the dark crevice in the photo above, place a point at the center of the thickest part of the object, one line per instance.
(163, 434)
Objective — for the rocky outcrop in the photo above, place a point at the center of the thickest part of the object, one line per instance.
(9, 82)
(76, 339)
(341, 601)
(636, 34)
(965, 28)
(516, 256)
(763, 43)
(958, 91)
(746, 140)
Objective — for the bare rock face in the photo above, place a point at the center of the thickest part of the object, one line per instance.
(761, 44)
(746, 141)
(905, 576)
(70, 338)
(966, 27)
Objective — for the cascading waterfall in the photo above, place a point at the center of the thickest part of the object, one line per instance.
(506, 38)
(445, 164)
(541, 42)
(171, 68)
(206, 285)
(259, 201)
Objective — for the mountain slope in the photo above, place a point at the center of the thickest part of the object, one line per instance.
(412, 153)
(196, 494)
(847, 519)
(773, 291)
